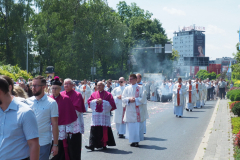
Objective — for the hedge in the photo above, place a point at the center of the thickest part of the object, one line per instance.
(235, 124)
(14, 72)
(234, 95)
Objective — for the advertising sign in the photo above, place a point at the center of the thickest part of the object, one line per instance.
(224, 68)
(199, 45)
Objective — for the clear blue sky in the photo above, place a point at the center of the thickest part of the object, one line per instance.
(221, 18)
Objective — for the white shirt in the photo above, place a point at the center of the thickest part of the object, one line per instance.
(44, 109)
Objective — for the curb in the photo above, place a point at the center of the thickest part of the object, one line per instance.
(230, 134)
(200, 153)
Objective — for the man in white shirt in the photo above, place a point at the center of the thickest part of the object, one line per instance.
(46, 111)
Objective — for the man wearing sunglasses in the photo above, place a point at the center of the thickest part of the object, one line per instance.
(119, 112)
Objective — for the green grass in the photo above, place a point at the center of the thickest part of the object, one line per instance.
(236, 124)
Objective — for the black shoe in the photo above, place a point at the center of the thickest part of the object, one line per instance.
(90, 147)
(187, 109)
(134, 144)
(104, 148)
(190, 110)
(180, 116)
(176, 115)
(121, 136)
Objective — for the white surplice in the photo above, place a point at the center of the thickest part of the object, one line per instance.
(101, 118)
(134, 117)
(202, 94)
(153, 91)
(178, 108)
(85, 94)
(198, 93)
(144, 88)
(190, 105)
(119, 112)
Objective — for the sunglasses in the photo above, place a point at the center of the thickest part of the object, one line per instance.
(120, 81)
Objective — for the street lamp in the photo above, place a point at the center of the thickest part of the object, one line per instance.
(27, 53)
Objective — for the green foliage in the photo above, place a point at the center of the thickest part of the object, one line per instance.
(235, 124)
(73, 36)
(237, 153)
(175, 55)
(233, 95)
(203, 74)
(14, 72)
(236, 109)
(237, 97)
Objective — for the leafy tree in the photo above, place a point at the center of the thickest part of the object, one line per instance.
(15, 28)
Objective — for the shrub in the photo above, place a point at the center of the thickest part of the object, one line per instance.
(237, 83)
(236, 109)
(237, 153)
(235, 124)
(237, 139)
(237, 97)
(233, 94)
(14, 72)
(231, 104)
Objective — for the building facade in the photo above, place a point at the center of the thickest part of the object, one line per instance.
(189, 42)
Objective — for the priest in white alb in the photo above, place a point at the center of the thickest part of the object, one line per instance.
(86, 93)
(153, 95)
(119, 112)
(133, 99)
(139, 82)
(202, 93)
(178, 97)
(190, 96)
(198, 88)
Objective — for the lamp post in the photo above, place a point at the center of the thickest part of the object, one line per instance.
(27, 54)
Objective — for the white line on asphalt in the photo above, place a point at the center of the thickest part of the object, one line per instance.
(203, 144)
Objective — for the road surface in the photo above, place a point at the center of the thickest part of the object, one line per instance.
(167, 137)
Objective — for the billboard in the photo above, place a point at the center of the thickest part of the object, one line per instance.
(199, 45)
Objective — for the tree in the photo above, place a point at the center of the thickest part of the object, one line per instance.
(15, 26)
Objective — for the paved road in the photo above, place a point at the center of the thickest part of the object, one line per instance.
(167, 138)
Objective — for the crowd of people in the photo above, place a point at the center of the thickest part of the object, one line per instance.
(46, 115)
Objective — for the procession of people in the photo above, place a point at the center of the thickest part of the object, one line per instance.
(56, 113)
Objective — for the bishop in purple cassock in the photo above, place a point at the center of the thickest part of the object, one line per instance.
(101, 103)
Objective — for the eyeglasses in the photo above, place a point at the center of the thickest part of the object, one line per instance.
(36, 86)
(67, 84)
(120, 81)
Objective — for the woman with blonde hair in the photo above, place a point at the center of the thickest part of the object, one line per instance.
(19, 92)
